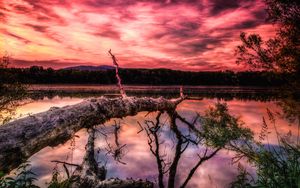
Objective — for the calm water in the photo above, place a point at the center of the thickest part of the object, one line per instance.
(140, 163)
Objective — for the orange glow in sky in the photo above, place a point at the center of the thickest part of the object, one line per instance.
(187, 35)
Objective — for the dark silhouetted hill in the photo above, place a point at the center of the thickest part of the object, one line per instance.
(90, 68)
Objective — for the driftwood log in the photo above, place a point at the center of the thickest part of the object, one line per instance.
(22, 138)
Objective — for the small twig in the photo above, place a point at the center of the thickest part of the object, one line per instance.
(66, 163)
(190, 125)
(67, 171)
(147, 114)
(140, 127)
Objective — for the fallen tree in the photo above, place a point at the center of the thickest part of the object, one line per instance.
(22, 138)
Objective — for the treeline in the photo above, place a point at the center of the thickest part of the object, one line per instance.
(39, 75)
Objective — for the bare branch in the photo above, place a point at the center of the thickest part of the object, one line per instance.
(178, 151)
(153, 131)
(66, 163)
(117, 151)
(140, 127)
(122, 91)
(190, 125)
(202, 159)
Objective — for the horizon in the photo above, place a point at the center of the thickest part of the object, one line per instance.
(188, 35)
(140, 68)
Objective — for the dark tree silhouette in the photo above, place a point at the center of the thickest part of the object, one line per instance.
(10, 93)
(39, 75)
(277, 166)
(281, 53)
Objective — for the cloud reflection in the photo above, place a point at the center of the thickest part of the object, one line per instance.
(139, 161)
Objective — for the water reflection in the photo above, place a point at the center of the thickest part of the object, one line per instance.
(219, 92)
(140, 163)
(44, 104)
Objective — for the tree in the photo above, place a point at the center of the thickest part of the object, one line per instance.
(279, 165)
(281, 53)
(9, 93)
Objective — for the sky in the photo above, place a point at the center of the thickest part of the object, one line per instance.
(196, 35)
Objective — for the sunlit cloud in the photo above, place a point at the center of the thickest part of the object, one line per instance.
(187, 35)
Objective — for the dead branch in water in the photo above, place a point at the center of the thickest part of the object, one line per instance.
(152, 133)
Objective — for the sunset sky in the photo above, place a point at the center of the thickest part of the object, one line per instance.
(180, 34)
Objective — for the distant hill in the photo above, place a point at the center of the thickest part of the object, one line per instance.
(90, 68)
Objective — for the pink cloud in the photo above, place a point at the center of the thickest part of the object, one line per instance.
(190, 34)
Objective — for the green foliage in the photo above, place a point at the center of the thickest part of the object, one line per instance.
(57, 183)
(276, 165)
(219, 128)
(242, 179)
(24, 178)
(1, 174)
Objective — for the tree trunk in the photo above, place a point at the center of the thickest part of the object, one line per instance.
(22, 138)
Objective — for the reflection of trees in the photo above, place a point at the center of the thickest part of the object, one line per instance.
(152, 131)
(117, 150)
(248, 94)
(210, 132)
(218, 129)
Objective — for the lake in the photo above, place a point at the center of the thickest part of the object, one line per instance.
(249, 104)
